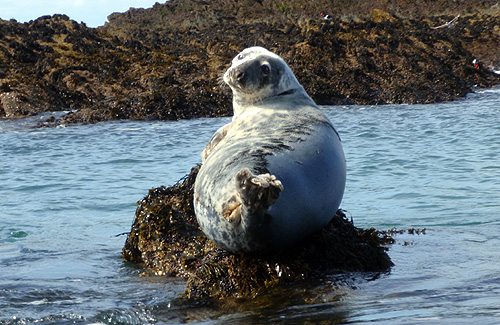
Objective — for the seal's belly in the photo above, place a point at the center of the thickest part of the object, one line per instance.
(311, 167)
(313, 176)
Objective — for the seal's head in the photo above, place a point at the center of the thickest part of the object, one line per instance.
(257, 74)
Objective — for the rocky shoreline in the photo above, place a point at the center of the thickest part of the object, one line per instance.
(164, 63)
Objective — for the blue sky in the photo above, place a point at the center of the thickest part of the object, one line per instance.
(92, 12)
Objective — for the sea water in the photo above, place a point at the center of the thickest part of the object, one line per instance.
(67, 194)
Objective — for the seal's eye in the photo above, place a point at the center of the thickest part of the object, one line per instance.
(240, 57)
(265, 69)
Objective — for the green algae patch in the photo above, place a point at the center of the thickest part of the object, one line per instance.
(165, 238)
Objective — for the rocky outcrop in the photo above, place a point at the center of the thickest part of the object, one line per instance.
(166, 239)
(164, 62)
(54, 63)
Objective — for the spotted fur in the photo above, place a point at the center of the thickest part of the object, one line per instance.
(276, 173)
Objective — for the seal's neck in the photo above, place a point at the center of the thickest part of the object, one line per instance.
(287, 100)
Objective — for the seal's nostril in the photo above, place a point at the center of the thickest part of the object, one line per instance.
(239, 75)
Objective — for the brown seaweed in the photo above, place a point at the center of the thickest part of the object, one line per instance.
(166, 239)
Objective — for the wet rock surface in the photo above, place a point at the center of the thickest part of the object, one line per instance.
(166, 239)
(163, 63)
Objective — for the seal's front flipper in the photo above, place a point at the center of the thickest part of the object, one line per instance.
(257, 192)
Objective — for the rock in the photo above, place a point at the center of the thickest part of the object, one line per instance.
(166, 239)
(164, 62)
(379, 16)
(14, 104)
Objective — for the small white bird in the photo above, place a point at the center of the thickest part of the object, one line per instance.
(448, 24)
(475, 63)
(326, 17)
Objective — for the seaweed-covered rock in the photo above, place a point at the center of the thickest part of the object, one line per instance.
(164, 62)
(167, 240)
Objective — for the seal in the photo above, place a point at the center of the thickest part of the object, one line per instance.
(277, 172)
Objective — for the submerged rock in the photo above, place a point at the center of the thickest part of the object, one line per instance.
(166, 239)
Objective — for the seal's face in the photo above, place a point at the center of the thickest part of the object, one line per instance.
(257, 74)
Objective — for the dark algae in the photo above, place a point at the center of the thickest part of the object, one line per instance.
(166, 240)
(163, 63)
